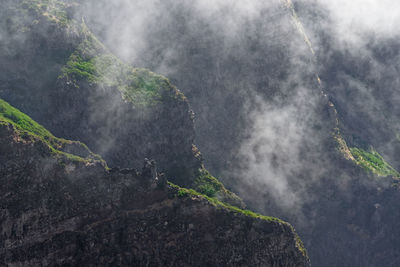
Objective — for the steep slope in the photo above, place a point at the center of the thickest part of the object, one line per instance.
(62, 210)
(347, 216)
(341, 165)
(361, 79)
(355, 221)
(29, 129)
(54, 69)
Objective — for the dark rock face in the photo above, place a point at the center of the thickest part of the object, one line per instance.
(31, 80)
(362, 225)
(340, 226)
(352, 219)
(59, 212)
(123, 135)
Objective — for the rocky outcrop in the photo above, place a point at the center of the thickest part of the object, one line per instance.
(60, 204)
(343, 202)
(69, 103)
(54, 69)
(61, 210)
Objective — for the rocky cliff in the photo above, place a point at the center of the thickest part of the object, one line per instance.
(54, 69)
(63, 205)
(337, 152)
(60, 209)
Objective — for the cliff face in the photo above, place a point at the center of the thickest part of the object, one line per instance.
(54, 69)
(60, 209)
(78, 90)
(60, 204)
(347, 202)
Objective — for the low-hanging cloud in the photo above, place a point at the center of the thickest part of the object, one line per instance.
(218, 50)
(271, 58)
(353, 19)
(358, 52)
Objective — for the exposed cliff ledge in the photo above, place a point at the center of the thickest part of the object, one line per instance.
(63, 210)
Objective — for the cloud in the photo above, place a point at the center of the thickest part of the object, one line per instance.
(351, 23)
(358, 52)
(245, 63)
(233, 48)
(379, 17)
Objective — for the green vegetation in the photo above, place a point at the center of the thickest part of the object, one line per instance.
(89, 62)
(139, 86)
(206, 184)
(78, 69)
(372, 161)
(27, 127)
(12, 115)
(54, 10)
(144, 88)
(210, 186)
(299, 243)
(92, 63)
(184, 192)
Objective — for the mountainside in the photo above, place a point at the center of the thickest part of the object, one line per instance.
(62, 209)
(62, 76)
(294, 114)
(300, 125)
(362, 84)
(62, 204)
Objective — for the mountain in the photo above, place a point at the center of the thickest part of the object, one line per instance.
(297, 117)
(61, 75)
(63, 204)
(59, 208)
(297, 124)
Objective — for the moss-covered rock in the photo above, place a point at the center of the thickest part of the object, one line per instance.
(27, 128)
(372, 161)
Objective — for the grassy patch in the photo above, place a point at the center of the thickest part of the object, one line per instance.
(207, 184)
(299, 244)
(144, 88)
(210, 186)
(92, 63)
(79, 69)
(22, 121)
(184, 192)
(89, 62)
(25, 126)
(372, 161)
(141, 87)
